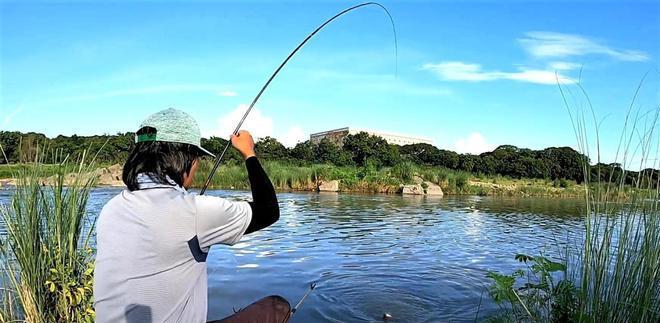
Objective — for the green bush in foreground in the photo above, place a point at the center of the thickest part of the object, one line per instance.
(535, 293)
(46, 259)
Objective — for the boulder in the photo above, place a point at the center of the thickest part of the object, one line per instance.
(412, 189)
(418, 180)
(111, 175)
(330, 186)
(434, 190)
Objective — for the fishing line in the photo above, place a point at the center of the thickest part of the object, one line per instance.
(256, 98)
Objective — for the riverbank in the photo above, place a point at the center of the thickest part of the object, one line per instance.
(105, 175)
(403, 179)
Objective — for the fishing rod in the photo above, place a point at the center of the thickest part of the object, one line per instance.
(256, 98)
(295, 309)
(311, 288)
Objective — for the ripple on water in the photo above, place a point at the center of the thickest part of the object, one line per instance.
(413, 295)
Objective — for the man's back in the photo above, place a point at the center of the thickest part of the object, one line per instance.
(150, 266)
(153, 238)
(142, 248)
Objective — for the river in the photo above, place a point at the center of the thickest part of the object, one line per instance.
(418, 259)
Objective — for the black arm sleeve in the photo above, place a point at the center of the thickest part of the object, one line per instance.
(265, 210)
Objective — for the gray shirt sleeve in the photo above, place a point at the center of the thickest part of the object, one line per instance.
(220, 221)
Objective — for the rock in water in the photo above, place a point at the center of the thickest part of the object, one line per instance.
(331, 186)
(111, 176)
(434, 190)
(412, 189)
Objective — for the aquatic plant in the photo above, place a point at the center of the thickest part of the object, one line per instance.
(613, 273)
(535, 292)
(617, 272)
(45, 254)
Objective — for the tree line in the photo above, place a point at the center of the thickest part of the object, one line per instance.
(360, 150)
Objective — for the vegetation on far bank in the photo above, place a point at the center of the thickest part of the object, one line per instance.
(364, 163)
(369, 179)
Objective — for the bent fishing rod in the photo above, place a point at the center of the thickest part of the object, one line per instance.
(270, 79)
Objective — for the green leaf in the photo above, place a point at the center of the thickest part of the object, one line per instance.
(524, 258)
(51, 286)
(555, 267)
(518, 273)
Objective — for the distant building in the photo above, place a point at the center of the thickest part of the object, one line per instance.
(337, 136)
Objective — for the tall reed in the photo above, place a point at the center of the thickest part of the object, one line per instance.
(613, 272)
(617, 272)
(45, 254)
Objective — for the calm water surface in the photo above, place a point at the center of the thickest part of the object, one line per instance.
(419, 259)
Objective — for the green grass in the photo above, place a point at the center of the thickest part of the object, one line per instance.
(369, 179)
(45, 255)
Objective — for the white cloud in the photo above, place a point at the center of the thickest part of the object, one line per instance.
(259, 125)
(227, 93)
(256, 123)
(475, 143)
(7, 119)
(549, 49)
(293, 136)
(563, 66)
(545, 44)
(460, 71)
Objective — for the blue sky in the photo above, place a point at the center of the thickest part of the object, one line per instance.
(470, 75)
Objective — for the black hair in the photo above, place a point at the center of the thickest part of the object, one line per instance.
(158, 160)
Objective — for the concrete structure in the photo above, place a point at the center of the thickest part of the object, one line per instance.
(337, 136)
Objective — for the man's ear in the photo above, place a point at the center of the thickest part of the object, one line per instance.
(187, 172)
(194, 164)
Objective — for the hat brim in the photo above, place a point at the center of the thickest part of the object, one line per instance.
(206, 152)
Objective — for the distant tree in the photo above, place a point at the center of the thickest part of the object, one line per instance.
(270, 148)
(486, 164)
(10, 145)
(467, 162)
(421, 153)
(564, 162)
(363, 146)
(326, 152)
(556, 163)
(30, 143)
(447, 159)
(303, 152)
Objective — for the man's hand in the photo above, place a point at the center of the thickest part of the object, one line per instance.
(244, 143)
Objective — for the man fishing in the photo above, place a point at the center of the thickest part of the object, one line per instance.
(153, 238)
